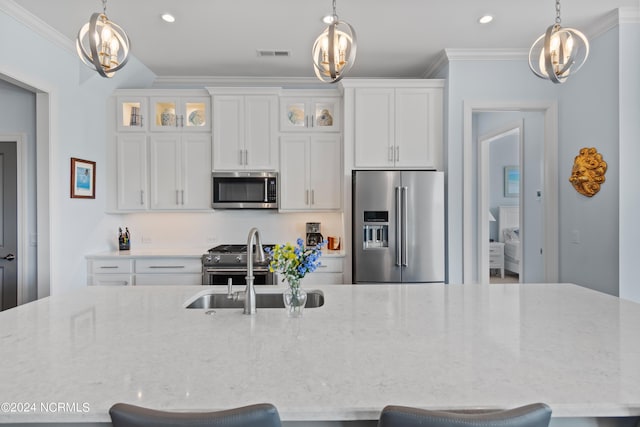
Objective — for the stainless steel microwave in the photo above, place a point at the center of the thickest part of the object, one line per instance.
(245, 190)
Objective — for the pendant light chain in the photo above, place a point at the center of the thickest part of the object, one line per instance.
(558, 12)
(104, 7)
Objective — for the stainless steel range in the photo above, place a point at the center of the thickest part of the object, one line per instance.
(226, 262)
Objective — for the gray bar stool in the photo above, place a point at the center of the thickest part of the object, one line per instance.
(259, 415)
(534, 415)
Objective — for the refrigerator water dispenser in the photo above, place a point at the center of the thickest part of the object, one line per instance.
(376, 234)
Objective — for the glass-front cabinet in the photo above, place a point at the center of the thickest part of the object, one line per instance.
(180, 114)
(310, 114)
(132, 114)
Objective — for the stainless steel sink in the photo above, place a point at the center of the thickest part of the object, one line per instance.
(314, 299)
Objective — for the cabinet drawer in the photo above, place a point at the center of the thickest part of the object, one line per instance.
(322, 279)
(330, 265)
(495, 250)
(168, 279)
(110, 266)
(110, 280)
(168, 265)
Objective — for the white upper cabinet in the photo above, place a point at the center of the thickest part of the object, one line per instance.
(132, 172)
(245, 129)
(180, 114)
(132, 114)
(310, 172)
(309, 113)
(180, 167)
(162, 151)
(395, 123)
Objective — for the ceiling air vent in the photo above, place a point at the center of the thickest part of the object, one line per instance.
(273, 53)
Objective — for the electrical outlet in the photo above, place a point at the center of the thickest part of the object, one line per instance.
(575, 237)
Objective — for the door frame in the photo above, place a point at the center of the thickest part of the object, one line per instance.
(549, 187)
(484, 142)
(46, 116)
(21, 207)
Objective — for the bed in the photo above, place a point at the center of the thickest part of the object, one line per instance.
(509, 234)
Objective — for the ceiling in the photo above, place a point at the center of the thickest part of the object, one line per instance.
(398, 38)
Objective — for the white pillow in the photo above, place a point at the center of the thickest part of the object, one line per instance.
(511, 234)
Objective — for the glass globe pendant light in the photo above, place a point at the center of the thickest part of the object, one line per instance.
(102, 44)
(559, 52)
(334, 51)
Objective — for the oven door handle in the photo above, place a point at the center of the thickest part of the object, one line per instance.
(219, 271)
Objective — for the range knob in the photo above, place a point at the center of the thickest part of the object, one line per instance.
(208, 258)
(216, 258)
(238, 259)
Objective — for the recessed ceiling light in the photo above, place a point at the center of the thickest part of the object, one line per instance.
(167, 17)
(485, 19)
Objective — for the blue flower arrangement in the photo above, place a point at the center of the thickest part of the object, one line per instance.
(294, 262)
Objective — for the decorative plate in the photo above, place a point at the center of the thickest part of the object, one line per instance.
(295, 116)
(196, 118)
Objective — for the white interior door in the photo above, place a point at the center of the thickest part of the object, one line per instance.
(8, 226)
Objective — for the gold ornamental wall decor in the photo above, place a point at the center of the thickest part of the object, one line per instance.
(588, 172)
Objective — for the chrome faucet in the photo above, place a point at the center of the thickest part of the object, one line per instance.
(250, 292)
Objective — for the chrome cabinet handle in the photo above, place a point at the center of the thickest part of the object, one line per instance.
(241, 152)
(246, 157)
(397, 154)
(141, 117)
(312, 122)
(390, 154)
(313, 197)
(109, 266)
(182, 194)
(142, 197)
(9, 257)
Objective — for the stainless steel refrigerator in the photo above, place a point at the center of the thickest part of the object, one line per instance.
(398, 227)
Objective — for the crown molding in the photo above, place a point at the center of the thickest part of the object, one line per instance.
(238, 81)
(37, 25)
(487, 54)
(629, 15)
(440, 61)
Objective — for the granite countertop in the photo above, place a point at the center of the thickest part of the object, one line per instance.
(432, 346)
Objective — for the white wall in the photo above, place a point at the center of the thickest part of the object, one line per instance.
(77, 100)
(589, 117)
(629, 153)
(201, 231)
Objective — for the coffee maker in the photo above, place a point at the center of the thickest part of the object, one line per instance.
(313, 234)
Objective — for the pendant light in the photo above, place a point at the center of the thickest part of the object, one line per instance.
(102, 44)
(559, 52)
(334, 51)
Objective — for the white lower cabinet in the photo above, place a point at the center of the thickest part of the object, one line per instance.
(310, 173)
(144, 271)
(330, 272)
(110, 272)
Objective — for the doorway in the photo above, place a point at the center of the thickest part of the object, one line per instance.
(8, 225)
(475, 252)
(499, 185)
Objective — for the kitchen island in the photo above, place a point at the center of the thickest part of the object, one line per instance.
(432, 346)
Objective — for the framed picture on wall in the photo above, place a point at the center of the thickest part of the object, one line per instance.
(83, 179)
(511, 181)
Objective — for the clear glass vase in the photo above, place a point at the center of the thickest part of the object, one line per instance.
(294, 298)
